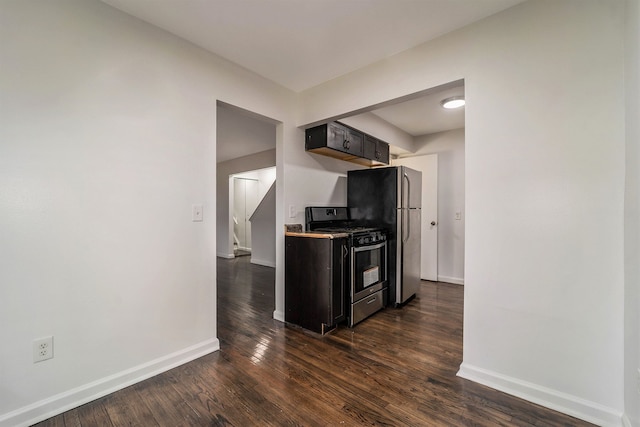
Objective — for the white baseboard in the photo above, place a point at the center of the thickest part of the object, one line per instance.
(278, 315)
(552, 399)
(227, 256)
(454, 280)
(266, 263)
(73, 398)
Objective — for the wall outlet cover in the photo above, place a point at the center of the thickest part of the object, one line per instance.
(42, 349)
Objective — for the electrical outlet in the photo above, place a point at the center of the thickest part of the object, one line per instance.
(42, 349)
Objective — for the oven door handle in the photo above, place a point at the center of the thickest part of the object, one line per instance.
(369, 248)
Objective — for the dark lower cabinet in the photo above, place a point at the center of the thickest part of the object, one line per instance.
(316, 276)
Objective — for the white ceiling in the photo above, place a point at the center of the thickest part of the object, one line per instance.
(425, 115)
(302, 43)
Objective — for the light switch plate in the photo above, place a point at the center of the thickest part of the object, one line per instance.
(197, 214)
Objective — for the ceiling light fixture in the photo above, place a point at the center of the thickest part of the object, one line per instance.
(453, 102)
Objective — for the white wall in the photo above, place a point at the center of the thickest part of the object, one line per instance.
(314, 180)
(544, 194)
(450, 149)
(108, 137)
(265, 178)
(240, 133)
(263, 229)
(632, 216)
(381, 129)
(263, 219)
(265, 159)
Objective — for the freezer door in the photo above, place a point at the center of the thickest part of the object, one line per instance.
(372, 196)
(410, 188)
(408, 256)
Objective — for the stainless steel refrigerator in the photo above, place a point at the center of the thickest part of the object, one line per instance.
(391, 197)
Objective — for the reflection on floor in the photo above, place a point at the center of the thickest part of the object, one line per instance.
(241, 252)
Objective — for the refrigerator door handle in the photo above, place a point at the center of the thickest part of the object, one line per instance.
(405, 211)
(406, 226)
(405, 203)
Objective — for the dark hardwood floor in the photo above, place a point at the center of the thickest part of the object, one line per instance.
(397, 368)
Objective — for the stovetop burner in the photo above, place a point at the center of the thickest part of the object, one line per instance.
(336, 220)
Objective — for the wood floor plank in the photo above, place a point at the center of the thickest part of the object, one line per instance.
(396, 368)
(94, 414)
(166, 404)
(125, 408)
(57, 421)
(203, 390)
(71, 418)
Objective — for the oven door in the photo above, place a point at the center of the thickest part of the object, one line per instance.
(368, 270)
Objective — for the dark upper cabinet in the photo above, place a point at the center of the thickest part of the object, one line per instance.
(345, 139)
(375, 150)
(343, 142)
(336, 140)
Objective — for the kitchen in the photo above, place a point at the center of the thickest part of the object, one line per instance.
(375, 259)
(442, 126)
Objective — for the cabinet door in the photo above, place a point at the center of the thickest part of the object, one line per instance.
(370, 147)
(382, 152)
(316, 279)
(341, 279)
(376, 150)
(344, 139)
(355, 142)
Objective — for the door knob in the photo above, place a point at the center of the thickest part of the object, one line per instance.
(433, 223)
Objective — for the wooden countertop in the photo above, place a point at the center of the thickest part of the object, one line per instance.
(316, 234)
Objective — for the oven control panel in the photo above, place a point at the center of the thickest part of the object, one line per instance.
(370, 238)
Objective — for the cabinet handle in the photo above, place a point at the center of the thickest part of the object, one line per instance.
(346, 144)
(377, 154)
(371, 300)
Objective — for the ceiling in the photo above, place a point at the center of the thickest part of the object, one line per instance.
(425, 115)
(302, 43)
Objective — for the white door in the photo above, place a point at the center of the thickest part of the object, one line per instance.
(250, 205)
(245, 201)
(428, 165)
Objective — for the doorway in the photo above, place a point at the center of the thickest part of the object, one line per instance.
(245, 200)
(418, 126)
(251, 221)
(428, 165)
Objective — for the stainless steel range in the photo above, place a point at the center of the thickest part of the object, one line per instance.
(367, 290)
